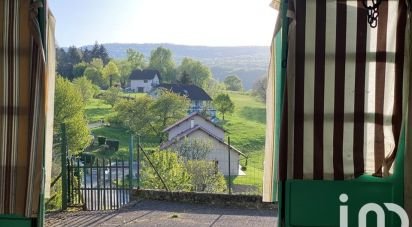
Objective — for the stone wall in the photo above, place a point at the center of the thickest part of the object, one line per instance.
(235, 201)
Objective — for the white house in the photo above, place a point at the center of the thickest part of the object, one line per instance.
(195, 126)
(144, 80)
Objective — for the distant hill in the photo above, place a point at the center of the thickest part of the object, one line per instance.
(247, 62)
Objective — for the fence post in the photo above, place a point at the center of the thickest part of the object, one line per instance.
(130, 163)
(230, 180)
(64, 147)
(138, 161)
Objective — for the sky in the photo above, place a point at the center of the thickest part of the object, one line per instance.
(188, 22)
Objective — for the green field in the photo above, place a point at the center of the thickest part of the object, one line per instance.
(246, 129)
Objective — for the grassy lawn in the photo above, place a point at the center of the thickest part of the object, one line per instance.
(97, 109)
(246, 128)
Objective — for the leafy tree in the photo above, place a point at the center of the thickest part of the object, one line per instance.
(97, 63)
(199, 73)
(233, 83)
(136, 114)
(112, 96)
(84, 87)
(170, 167)
(185, 78)
(146, 115)
(94, 75)
(136, 59)
(125, 69)
(79, 68)
(168, 108)
(224, 104)
(111, 73)
(69, 109)
(214, 87)
(161, 59)
(259, 88)
(193, 149)
(205, 177)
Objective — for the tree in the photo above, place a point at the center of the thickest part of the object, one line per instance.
(170, 167)
(112, 96)
(94, 75)
(185, 78)
(97, 51)
(233, 83)
(205, 177)
(259, 88)
(125, 69)
(97, 63)
(214, 87)
(161, 60)
(78, 69)
(111, 73)
(136, 114)
(193, 149)
(146, 115)
(199, 73)
(69, 109)
(224, 104)
(168, 108)
(84, 87)
(67, 60)
(136, 59)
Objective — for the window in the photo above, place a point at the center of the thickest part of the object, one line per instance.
(145, 81)
(140, 89)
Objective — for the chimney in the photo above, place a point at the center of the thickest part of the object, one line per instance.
(192, 123)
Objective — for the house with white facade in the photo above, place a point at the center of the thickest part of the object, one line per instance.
(195, 126)
(144, 80)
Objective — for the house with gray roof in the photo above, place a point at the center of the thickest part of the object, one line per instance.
(196, 126)
(144, 80)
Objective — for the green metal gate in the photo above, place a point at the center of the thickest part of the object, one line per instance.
(99, 184)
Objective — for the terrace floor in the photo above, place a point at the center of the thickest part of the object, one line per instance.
(162, 213)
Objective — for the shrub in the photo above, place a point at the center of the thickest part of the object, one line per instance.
(101, 140)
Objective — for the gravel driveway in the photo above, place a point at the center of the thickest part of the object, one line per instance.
(161, 213)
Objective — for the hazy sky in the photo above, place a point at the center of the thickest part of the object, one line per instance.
(191, 22)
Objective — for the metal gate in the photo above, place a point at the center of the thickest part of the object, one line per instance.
(99, 184)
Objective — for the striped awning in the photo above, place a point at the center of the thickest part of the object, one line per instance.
(343, 102)
(22, 107)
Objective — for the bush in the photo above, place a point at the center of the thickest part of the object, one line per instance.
(114, 120)
(113, 144)
(101, 140)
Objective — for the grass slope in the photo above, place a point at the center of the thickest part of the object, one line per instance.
(246, 127)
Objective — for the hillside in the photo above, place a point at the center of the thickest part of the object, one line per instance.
(247, 62)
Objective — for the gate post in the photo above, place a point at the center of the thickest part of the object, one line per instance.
(64, 166)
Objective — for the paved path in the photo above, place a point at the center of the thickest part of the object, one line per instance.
(160, 213)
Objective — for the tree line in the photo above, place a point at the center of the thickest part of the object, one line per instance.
(96, 65)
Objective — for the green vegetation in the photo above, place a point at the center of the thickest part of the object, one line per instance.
(233, 83)
(246, 128)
